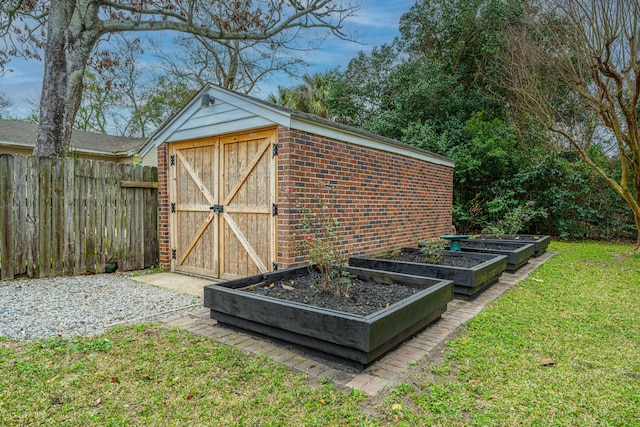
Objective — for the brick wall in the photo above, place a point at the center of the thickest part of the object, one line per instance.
(381, 200)
(163, 208)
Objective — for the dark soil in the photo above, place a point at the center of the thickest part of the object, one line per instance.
(508, 237)
(487, 245)
(452, 261)
(365, 297)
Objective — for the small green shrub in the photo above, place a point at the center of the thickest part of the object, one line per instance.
(515, 218)
(320, 237)
(432, 250)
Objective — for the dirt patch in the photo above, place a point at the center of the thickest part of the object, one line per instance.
(365, 296)
(488, 245)
(521, 238)
(452, 261)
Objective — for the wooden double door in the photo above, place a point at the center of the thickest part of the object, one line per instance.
(222, 197)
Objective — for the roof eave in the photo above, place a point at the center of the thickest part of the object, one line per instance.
(353, 135)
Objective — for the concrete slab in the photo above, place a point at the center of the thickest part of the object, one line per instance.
(183, 283)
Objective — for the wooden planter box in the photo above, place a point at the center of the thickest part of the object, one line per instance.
(360, 339)
(540, 242)
(467, 282)
(516, 257)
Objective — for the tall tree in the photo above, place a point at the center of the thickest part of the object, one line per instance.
(237, 65)
(68, 31)
(324, 94)
(124, 95)
(4, 102)
(575, 68)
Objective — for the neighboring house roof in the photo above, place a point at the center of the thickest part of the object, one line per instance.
(231, 111)
(23, 134)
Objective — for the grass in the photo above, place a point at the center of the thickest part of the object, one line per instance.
(581, 310)
(146, 272)
(146, 375)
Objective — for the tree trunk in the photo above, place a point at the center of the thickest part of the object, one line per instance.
(67, 50)
(636, 213)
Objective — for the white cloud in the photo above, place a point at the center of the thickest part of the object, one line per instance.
(381, 14)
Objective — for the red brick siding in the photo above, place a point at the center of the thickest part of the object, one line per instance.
(382, 200)
(163, 208)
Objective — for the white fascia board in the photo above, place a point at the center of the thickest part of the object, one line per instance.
(357, 139)
(16, 144)
(163, 134)
(72, 148)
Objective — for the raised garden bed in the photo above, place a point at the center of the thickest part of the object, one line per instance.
(517, 253)
(540, 242)
(471, 273)
(355, 337)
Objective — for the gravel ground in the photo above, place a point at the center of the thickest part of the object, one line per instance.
(83, 305)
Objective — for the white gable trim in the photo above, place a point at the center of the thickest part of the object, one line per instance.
(244, 103)
(175, 128)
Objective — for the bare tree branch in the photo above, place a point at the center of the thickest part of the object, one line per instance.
(575, 67)
(74, 27)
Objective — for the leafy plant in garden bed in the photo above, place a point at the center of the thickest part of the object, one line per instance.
(431, 250)
(319, 229)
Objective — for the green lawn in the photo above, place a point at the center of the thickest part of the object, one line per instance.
(581, 309)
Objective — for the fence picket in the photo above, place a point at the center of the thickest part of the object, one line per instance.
(69, 254)
(33, 214)
(80, 216)
(100, 214)
(6, 218)
(19, 216)
(44, 217)
(57, 218)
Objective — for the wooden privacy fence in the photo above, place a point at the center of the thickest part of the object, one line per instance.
(73, 216)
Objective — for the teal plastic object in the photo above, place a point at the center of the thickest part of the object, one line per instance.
(454, 241)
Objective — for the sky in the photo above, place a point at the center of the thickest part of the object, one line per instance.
(376, 23)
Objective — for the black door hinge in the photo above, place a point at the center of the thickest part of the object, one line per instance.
(274, 210)
(173, 208)
(173, 160)
(217, 209)
(275, 150)
(173, 254)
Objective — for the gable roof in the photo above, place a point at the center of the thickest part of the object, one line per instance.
(231, 112)
(24, 134)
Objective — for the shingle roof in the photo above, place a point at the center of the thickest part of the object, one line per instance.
(13, 132)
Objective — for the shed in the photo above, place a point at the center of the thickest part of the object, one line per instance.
(234, 170)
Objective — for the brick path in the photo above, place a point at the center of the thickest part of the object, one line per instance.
(382, 374)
